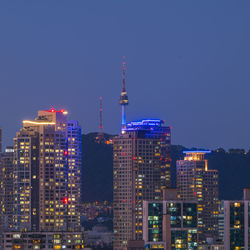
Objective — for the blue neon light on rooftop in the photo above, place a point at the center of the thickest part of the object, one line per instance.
(146, 122)
(197, 151)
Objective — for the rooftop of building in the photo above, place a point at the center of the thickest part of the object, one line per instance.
(195, 155)
(148, 124)
(52, 110)
(197, 152)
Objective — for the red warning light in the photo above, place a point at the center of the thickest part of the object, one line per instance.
(52, 110)
(65, 152)
(66, 200)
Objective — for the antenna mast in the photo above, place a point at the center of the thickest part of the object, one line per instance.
(100, 136)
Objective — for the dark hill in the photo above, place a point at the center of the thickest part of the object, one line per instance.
(97, 171)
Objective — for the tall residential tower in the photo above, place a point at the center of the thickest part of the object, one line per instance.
(47, 160)
(6, 189)
(141, 171)
(196, 182)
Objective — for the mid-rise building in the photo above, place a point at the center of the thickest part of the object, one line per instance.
(237, 223)
(170, 224)
(196, 182)
(47, 160)
(42, 240)
(141, 171)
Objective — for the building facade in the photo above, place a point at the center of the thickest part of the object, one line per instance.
(237, 223)
(6, 189)
(196, 182)
(74, 135)
(170, 224)
(141, 171)
(47, 160)
(42, 240)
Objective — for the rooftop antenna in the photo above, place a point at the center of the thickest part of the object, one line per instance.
(100, 136)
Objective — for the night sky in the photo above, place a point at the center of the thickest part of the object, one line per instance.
(188, 63)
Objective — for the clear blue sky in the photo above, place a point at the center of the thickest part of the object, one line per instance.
(188, 63)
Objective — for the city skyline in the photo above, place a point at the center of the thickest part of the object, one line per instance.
(125, 125)
(186, 63)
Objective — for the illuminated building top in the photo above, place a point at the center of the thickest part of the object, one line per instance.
(145, 124)
(49, 118)
(196, 155)
(148, 128)
(38, 122)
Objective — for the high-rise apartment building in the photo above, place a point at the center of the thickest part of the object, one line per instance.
(196, 182)
(47, 160)
(6, 189)
(141, 171)
(26, 190)
(74, 135)
(237, 223)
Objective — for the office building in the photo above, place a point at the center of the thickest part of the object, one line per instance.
(47, 160)
(237, 223)
(171, 223)
(196, 182)
(141, 171)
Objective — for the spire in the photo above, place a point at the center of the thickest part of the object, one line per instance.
(123, 75)
(123, 96)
